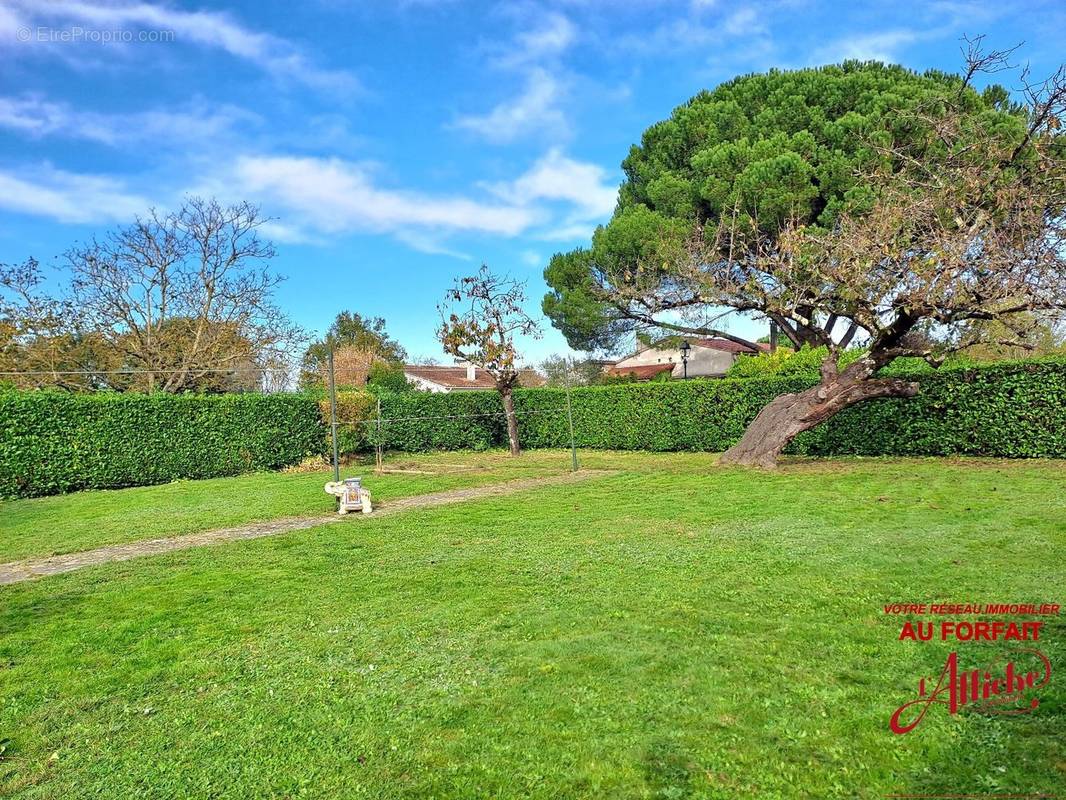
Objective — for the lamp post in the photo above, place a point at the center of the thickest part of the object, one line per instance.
(685, 347)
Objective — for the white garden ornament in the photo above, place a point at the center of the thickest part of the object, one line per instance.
(350, 494)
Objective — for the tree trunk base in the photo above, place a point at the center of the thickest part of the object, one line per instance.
(512, 421)
(785, 417)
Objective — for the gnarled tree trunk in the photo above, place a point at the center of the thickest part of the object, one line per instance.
(790, 414)
(512, 420)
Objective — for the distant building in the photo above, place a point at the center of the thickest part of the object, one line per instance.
(708, 358)
(461, 378)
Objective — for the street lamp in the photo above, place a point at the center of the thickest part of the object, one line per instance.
(685, 347)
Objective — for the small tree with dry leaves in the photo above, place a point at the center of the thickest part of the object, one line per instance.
(480, 318)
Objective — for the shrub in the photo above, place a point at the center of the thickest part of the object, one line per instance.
(788, 363)
(52, 442)
(356, 409)
(1010, 409)
(387, 377)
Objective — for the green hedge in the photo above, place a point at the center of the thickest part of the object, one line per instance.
(1010, 409)
(693, 415)
(420, 421)
(52, 442)
(1015, 409)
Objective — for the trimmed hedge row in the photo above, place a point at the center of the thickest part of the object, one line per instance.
(52, 442)
(1013, 409)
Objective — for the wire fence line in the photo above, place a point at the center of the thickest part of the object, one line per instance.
(375, 420)
(138, 371)
(193, 368)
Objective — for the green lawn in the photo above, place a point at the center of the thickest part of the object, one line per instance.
(674, 631)
(67, 523)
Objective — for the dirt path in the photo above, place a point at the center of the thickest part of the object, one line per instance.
(29, 569)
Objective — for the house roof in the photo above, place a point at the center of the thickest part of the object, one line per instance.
(642, 372)
(450, 377)
(727, 345)
(455, 377)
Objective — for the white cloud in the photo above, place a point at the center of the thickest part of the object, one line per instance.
(533, 53)
(551, 38)
(536, 109)
(531, 258)
(10, 22)
(430, 244)
(70, 197)
(557, 198)
(336, 196)
(707, 26)
(569, 232)
(583, 193)
(31, 115)
(743, 21)
(210, 29)
(883, 46)
(316, 199)
(36, 117)
(582, 185)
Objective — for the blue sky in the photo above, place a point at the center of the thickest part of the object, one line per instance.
(399, 144)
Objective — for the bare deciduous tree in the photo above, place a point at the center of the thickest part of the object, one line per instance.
(480, 326)
(180, 300)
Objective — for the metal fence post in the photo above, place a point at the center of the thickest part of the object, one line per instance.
(570, 420)
(380, 444)
(333, 418)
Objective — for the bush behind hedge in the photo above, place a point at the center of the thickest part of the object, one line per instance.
(53, 442)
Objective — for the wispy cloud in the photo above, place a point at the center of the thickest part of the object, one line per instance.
(533, 52)
(707, 26)
(334, 196)
(69, 197)
(36, 117)
(879, 46)
(276, 55)
(314, 200)
(551, 37)
(554, 176)
(432, 244)
(584, 193)
(534, 110)
(531, 258)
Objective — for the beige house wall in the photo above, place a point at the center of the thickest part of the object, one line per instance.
(703, 362)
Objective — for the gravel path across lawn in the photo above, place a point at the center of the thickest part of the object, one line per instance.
(29, 569)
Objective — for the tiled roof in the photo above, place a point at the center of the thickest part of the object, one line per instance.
(455, 377)
(451, 377)
(642, 372)
(726, 345)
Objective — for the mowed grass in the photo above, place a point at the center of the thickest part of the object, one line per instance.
(674, 631)
(45, 526)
